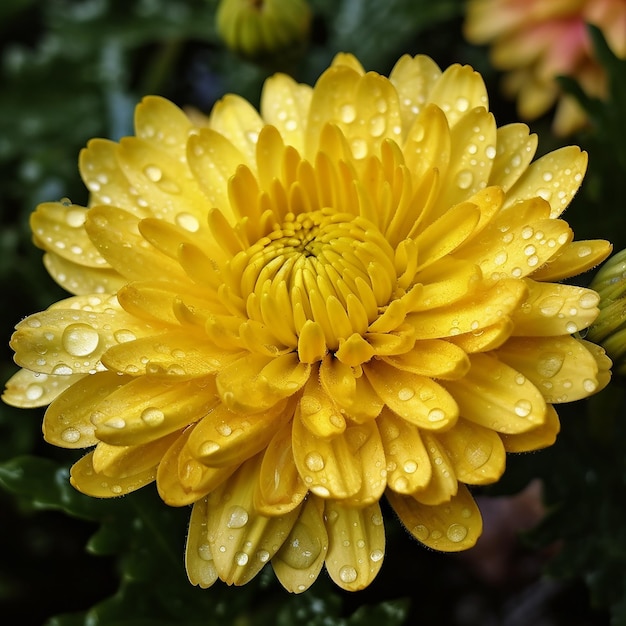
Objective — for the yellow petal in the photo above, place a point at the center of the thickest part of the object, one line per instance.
(485, 339)
(182, 480)
(434, 358)
(476, 453)
(298, 562)
(241, 540)
(128, 461)
(285, 105)
(174, 127)
(417, 399)
(223, 438)
(318, 412)
(67, 421)
(555, 177)
(450, 527)
(199, 563)
(574, 259)
(144, 410)
(280, 488)
(408, 463)
(560, 367)
(27, 389)
(496, 396)
(84, 479)
(537, 438)
(443, 483)
(515, 150)
(555, 309)
(356, 544)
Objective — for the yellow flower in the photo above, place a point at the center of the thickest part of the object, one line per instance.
(534, 41)
(283, 316)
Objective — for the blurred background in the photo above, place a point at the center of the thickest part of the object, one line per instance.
(554, 547)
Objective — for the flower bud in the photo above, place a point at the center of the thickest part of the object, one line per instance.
(257, 29)
(609, 329)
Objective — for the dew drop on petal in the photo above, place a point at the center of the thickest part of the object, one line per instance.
(421, 532)
(589, 385)
(70, 435)
(153, 172)
(456, 532)
(405, 394)
(188, 221)
(80, 339)
(347, 574)
(464, 179)
(237, 517)
(314, 461)
(436, 415)
(263, 556)
(376, 555)
(208, 448)
(523, 408)
(410, 467)
(152, 416)
(224, 429)
(550, 363)
(241, 558)
(34, 392)
(115, 422)
(62, 370)
(347, 113)
(377, 519)
(204, 552)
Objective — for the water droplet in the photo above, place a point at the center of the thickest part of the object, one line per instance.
(347, 113)
(571, 327)
(377, 519)
(523, 408)
(462, 104)
(302, 548)
(475, 455)
(456, 533)
(263, 556)
(62, 370)
(314, 461)
(347, 574)
(237, 517)
(188, 221)
(117, 489)
(550, 363)
(500, 258)
(310, 405)
(70, 435)
(527, 232)
(376, 555)
(80, 339)
(589, 385)
(208, 448)
(75, 218)
(204, 552)
(115, 422)
(152, 416)
(464, 179)
(550, 305)
(421, 532)
(410, 467)
(377, 126)
(320, 491)
(241, 558)
(436, 415)
(405, 394)
(224, 429)
(401, 484)
(34, 392)
(153, 172)
(359, 148)
(490, 152)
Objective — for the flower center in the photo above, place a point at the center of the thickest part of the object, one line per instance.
(334, 270)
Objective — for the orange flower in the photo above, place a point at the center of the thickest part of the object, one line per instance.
(534, 41)
(282, 316)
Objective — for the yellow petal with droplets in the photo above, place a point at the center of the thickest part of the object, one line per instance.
(515, 148)
(330, 468)
(300, 559)
(199, 563)
(241, 540)
(356, 544)
(413, 78)
(161, 123)
(485, 339)
(82, 280)
(496, 396)
(84, 479)
(58, 227)
(555, 177)
(417, 399)
(182, 480)
(555, 309)
(224, 438)
(560, 367)
(238, 121)
(285, 105)
(128, 461)
(67, 422)
(450, 527)
(443, 483)
(114, 233)
(434, 358)
(408, 463)
(318, 412)
(27, 389)
(535, 439)
(476, 453)
(487, 307)
(353, 394)
(144, 410)
(574, 259)
(280, 488)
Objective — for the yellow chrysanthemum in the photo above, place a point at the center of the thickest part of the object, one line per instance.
(282, 317)
(534, 41)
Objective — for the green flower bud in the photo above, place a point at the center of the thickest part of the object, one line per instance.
(261, 29)
(609, 328)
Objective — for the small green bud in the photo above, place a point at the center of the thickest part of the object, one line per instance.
(609, 328)
(262, 29)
